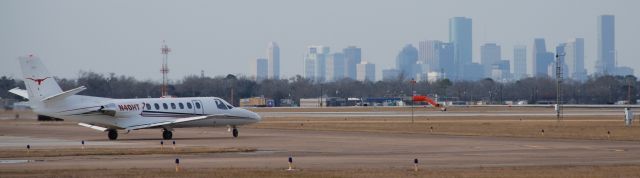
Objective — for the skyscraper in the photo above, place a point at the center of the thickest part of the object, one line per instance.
(352, 57)
(260, 69)
(460, 34)
(314, 63)
(541, 58)
(366, 71)
(490, 54)
(519, 62)
(438, 57)
(335, 67)
(606, 63)
(445, 57)
(574, 58)
(406, 61)
(428, 55)
(273, 56)
(501, 71)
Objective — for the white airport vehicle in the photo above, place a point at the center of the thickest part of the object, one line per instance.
(110, 115)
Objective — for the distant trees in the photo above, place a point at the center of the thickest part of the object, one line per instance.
(595, 90)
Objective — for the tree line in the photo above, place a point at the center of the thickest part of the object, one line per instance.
(595, 90)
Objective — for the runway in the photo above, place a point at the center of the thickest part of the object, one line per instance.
(317, 149)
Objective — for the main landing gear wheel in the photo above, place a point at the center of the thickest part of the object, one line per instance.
(167, 135)
(113, 134)
(235, 132)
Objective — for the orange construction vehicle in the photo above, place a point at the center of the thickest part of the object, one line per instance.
(430, 101)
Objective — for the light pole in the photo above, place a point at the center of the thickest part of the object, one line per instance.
(559, 85)
(413, 82)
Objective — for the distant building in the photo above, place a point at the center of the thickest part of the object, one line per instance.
(541, 58)
(490, 54)
(428, 55)
(366, 71)
(606, 62)
(437, 57)
(434, 77)
(335, 67)
(501, 71)
(574, 59)
(623, 71)
(406, 61)
(390, 74)
(314, 63)
(352, 57)
(460, 34)
(260, 69)
(273, 57)
(519, 62)
(473, 71)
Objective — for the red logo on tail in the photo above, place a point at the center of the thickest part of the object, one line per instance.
(39, 81)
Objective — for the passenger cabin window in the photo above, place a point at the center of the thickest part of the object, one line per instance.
(156, 106)
(220, 105)
(173, 105)
(197, 105)
(181, 105)
(164, 105)
(189, 105)
(229, 106)
(148, 106)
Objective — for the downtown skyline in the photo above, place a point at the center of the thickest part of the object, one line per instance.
(433, 60)
(224, 45)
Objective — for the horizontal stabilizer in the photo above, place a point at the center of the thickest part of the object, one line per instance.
(156, 124)
(20, 92)
(64, 95)
(93, 127)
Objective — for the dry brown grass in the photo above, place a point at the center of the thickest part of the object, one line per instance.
(58, 152)
(585, 127)
(511, 172)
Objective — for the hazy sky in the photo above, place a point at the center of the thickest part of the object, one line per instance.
(222, 37)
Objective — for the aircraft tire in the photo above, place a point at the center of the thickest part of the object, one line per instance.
(167, 135)
(235, 132)
(113, 134)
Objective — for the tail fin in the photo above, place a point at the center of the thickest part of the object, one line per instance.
(40, 84)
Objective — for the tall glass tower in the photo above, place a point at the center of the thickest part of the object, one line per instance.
(273, 57)
(461, 37)
(520, 62)
(605, 63)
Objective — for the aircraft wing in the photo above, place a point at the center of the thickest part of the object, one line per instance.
(20, 92)
(156, 124)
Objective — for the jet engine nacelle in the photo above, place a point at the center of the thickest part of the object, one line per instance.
(121, 109)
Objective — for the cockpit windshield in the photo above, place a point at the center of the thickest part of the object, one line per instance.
(220, 104)
(228, 105)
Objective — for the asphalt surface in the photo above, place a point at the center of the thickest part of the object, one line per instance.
(310, 149)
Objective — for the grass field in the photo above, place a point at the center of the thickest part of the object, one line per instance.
(400, 109)
(595, 127)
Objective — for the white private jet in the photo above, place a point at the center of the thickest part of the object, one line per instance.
(107, 114)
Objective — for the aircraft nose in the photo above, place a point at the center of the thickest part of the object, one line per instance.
(252, 115)
(255, 116)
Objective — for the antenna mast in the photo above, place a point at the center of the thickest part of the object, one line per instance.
(559, 79)
(165, 68)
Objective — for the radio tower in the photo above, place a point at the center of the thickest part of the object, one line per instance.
(165, 68)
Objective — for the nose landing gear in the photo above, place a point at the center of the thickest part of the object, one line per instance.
(166, 134)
